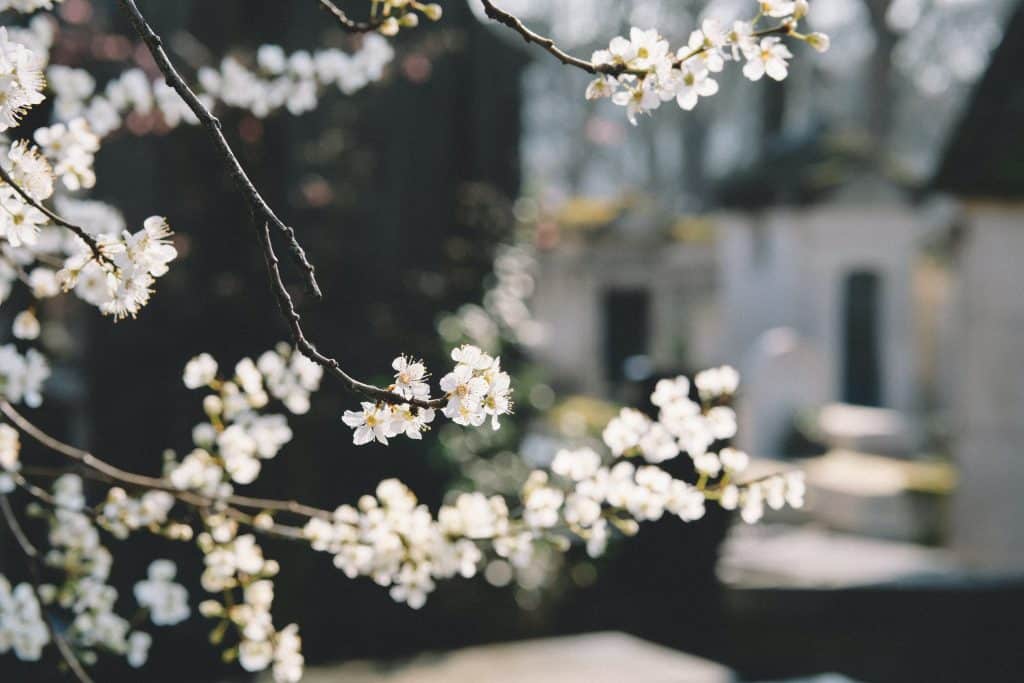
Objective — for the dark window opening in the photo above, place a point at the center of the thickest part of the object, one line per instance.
(626, 334)
(861, 336)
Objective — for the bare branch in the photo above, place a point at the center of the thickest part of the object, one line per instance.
(113, 474)
(514, 23)
(347, 23)
(253, 197)
(19, 534)
(294, 320)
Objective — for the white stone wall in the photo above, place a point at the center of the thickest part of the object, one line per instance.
(796, 280)
(569, 303)
(988, 424)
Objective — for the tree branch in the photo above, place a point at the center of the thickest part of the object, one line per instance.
(513, 22)
(255, 200)
(114, 474)
(347, 23)
(291, 315)
(94, 246)
(19, 534)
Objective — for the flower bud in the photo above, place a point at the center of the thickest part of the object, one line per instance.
(210, 608)
(819, 41)
(389, 27)
(801, 9)
(432, 11)
(212, 405)
(409, 20)
(263, 521)
(26, 325)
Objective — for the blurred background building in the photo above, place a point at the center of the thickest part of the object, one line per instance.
(849, 241)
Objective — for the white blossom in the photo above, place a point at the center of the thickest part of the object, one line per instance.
(768, 57)
(625, 431)
(576, 465)
(752, 504)
(22, 377)
(166, 600)
(668, 391)
(21, 80)
(409, 378)
(734, 460)
(25, 325)
(200, 371)
(139, 643)
(777, 8)
(695, 82)
(542, 504)
(717, 382)
(639, 97)
(29, 169)
(372, 423)
(22, 628)
(72, 146)
(290, 377)
(10, 447)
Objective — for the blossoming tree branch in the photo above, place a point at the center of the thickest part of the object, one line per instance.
(55, 241)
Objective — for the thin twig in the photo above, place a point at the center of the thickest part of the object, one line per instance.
(294, 320)
(513, 22)
(347, 23)
(32, 558)
(82, 234)
(34, 491)
(91, 461)
(19, 534)
(255, 200)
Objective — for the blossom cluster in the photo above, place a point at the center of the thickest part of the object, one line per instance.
(230, 447)
(120, 282)
(72, 146)
(123, 288)
(122, 514)
(642, 72)
(118, 286)
(397, 542)
(235, 565)
(22, 628)
(82, 594)
(393, 15)
(279, 81)
(583, 497)
(166, 600)
(22, 376)
(474, 390)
